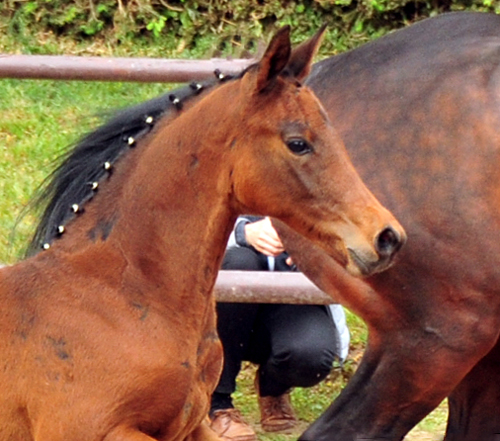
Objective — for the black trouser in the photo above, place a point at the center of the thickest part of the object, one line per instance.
(294, 345)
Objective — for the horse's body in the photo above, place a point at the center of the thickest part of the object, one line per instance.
(109, 333)
(419, 112)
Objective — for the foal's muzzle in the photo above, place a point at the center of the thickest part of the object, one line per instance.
(386, 245)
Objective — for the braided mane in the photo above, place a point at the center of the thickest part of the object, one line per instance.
(82, 167)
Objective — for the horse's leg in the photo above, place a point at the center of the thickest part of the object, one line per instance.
(474, 406)
(379, 403)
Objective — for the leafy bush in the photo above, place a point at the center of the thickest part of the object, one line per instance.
(213, 27)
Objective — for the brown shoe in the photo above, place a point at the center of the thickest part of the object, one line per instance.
(230, 426)
(276, 413)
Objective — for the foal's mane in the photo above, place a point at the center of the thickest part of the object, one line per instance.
(81, 169)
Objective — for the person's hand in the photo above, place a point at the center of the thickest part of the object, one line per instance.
(263, 237)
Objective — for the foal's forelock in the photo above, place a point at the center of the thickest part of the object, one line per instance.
(87, 166)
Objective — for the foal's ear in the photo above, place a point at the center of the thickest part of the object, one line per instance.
(275, 58)
(301, 59)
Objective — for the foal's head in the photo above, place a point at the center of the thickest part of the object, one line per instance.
(291, 164)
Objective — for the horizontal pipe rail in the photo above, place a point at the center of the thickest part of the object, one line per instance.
(268, 287)
(144, 70)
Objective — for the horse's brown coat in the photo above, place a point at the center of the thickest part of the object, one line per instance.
(419, 111)
(109, 335)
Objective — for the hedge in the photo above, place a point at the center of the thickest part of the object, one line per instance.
(212, 27)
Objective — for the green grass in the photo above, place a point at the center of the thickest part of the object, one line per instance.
(38, 120)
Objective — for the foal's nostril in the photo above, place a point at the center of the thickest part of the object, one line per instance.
(388, 242)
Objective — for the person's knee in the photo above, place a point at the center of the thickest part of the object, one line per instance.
(304, 366)
(241, 258)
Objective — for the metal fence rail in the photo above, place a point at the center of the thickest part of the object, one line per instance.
(268, 287)
(144, 70)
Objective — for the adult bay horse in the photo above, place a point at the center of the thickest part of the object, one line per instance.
(419, 112)
(108, 334)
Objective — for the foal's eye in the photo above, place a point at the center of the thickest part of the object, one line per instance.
(299, 146)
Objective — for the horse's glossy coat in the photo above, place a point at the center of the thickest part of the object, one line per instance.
(109, 334)
(419, 112)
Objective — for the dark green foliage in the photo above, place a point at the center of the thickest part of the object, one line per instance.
(214, 27)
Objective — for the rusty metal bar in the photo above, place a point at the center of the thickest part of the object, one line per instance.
(268, 287)
(146, 70)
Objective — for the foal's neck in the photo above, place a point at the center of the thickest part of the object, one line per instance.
(175, 211)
